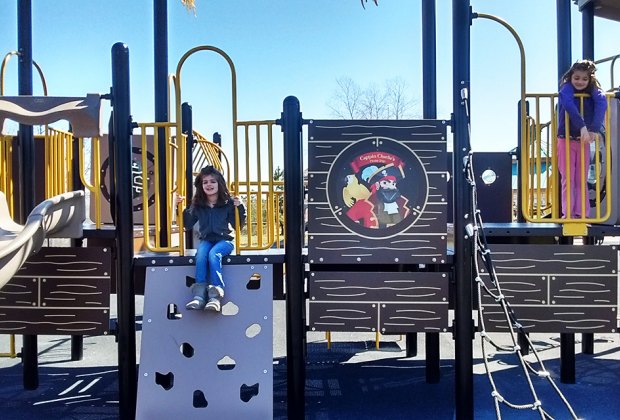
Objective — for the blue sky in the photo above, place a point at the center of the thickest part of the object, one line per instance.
(299, 47)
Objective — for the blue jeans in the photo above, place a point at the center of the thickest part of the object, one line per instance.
(209, 261)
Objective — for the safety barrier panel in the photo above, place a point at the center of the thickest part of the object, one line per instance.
(540, 178)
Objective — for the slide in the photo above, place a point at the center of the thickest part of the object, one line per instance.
(61, 216)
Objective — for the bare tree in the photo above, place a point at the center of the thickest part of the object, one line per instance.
(346, 102)
(374, 103)
(399, 103)
(350, 101)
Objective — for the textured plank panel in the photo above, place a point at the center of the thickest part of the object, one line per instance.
(556, 288)
(388, 302)
(377, 192)
(59, 291)
(413, 317)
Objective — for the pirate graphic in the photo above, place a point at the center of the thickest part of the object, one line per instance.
(376, 187)
(355, 196)
(390, 205)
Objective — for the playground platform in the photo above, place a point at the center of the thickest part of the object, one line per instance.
(350, 380)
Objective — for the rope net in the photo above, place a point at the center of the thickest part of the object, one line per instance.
(485, 285)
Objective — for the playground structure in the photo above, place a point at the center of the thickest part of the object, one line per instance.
(431, 269)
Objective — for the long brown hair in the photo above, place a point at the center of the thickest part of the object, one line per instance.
(586, 66)
(200, 198)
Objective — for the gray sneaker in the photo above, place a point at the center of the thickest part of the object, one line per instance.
(196, 303)
(213, 305)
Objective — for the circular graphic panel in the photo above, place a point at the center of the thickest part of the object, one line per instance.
(136, 178)
(377, 187)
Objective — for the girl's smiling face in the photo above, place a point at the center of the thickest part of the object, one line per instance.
(210, 186)
(580, 80)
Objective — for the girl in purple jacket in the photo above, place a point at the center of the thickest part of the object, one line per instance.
(585, 116)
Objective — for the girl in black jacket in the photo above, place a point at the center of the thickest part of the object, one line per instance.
(214, 209)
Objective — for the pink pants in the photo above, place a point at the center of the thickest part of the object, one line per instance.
(576, 176)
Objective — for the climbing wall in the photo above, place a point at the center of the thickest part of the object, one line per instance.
(197, 364)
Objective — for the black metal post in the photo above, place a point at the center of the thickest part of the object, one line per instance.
(25, 142)
(160, 26)
(523, 343)
(188, 130)
(463, 325)
(567, 358)
(77, 348)
(564, 36)
(217, 139)
(567, 340)
(291, 123)
(587, 339)
(587, 30)
(411, 344)
(122, 128)
(429, 109)
(77, 341)
(429, 60)
(520, 168)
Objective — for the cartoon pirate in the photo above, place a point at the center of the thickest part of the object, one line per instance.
(390, 204)
(355, 196)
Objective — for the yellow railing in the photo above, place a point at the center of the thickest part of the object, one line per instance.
(58, 161)
(254, 181)
(6, 169)
(173, 176)
(208, 153)
(540, 177)
(94, 183)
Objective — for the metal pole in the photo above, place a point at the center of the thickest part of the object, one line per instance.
(429, 109)
(160, 25)
(188, 130)
(564, 36)
(587, 29)
(429, 60)
(567, 340)
(122, 127)
(25, 142)
(291, 123)
(463, 325)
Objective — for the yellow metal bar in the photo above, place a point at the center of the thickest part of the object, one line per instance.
(177, 89)
(377, 340)
(538, 165)
(328, 338)
(259, 193)
(12, 353)
(7, 57)
(522, 108)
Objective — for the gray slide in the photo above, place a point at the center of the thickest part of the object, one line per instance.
(61, 216)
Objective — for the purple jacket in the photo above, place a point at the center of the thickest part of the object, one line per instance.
(594, 108)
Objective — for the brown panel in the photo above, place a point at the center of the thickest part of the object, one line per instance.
(555, 319)
(356, 317)
(520, 290)
(64, 321)
(584, 290)
(556, 288)
(136, 181)
(405, 302)
(378, 287)
(584, 260)
(395, 318)
(377, 192)
(59, 291)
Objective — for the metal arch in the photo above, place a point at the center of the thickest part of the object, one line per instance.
(7, 57)
(522, 103)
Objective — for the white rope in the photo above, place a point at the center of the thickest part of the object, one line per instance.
(476, 231)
